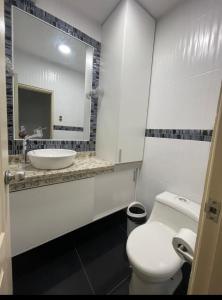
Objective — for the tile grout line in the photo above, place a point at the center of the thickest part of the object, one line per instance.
(118, 285)
(85, 273)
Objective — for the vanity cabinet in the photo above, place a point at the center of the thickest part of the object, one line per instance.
(43, 214)
(127, 49)
(113, 192)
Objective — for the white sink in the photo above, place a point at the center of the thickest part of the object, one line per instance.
(52, 159)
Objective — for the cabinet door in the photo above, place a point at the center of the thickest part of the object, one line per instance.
(43, 214)
(110, 80)
(113, 192)
(136, 75)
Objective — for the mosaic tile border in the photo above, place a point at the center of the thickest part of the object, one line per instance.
(68, 128)
(181, 134)
(15, 146)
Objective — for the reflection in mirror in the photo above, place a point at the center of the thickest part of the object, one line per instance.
(53, 76)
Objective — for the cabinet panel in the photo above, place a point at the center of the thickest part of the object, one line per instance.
(110, 80)
(42, 214)
(127, 52)
(136, 75)
(113, 192)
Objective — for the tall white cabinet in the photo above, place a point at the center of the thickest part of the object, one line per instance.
(127, 51)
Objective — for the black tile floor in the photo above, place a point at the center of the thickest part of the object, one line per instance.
(89, 261)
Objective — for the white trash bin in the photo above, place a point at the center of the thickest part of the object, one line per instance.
(136, 216)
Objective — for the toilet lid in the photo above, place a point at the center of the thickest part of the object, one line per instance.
(151, 252)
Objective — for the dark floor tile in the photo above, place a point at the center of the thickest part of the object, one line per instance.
(113, 221)
(123, 227)
(121, 217)
(31, 260)
(123, 221)
(55, 268)
(122, 289)
(183, 287)
(58, 276)
(103, 255)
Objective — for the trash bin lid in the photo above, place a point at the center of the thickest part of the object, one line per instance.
(136, 210)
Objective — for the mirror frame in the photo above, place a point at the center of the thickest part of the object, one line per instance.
(15, 146)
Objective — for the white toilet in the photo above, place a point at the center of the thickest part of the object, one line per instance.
(156, 265)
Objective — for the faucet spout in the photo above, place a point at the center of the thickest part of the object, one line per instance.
(24, 149)
(38, 134)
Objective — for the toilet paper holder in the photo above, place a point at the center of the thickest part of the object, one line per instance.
(183, 251)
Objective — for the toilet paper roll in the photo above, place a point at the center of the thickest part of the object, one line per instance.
(184, 244)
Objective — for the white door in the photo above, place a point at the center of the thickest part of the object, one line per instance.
(206, 277)
(5, 252)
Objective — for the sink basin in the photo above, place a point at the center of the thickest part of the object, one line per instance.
(52, 159)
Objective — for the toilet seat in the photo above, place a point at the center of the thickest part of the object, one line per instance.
(151, 252)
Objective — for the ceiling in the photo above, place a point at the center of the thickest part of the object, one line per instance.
(99, 10)
(35, 37)
(158, 8)
(96, 10)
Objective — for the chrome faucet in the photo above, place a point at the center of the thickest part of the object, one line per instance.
(38, 134)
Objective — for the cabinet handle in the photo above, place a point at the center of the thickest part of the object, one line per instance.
(9, 176)
(120, 155)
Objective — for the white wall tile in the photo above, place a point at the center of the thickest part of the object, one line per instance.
(186, 82)
(189, 103)
(68, 135)
(187, 70)
(176, 166)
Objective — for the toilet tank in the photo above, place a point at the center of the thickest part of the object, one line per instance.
(175, 212)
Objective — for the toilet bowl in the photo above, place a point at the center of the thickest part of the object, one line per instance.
(156, 265)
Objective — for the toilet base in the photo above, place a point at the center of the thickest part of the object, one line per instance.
(140, 287)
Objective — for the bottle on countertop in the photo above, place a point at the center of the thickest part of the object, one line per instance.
(23, 132)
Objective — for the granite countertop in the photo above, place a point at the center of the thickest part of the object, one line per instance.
(83, 167)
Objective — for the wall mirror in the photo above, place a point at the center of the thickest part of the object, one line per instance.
(52, 78)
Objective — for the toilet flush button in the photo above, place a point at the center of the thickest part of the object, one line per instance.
(183, 199)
